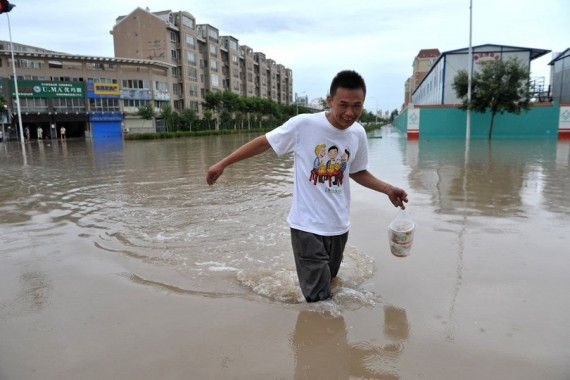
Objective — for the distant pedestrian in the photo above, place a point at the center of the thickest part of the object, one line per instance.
(40, 131)
(62, 133)
(27, 131)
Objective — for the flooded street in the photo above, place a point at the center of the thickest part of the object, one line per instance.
(118, 261)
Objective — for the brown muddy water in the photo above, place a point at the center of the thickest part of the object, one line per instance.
(118, 261)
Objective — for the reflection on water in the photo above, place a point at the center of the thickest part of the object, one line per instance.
(322, 349)
(486, 221)
(500, 178)
(146, 204)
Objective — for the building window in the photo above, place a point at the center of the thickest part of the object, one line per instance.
(177, 89)
(136, 83)
(174, 37)
(214, 80)
(66, 79)
(29, 77)
(187, 22)
(190, 41)
(175, 55)
(28, 64)
(161, 86)
(160, 104)
(213, 51)
(103, 80)
(235, 59)
(214, 65)
(193, 89)
(191, 56)
(193, 74)
(104, 105)
(212, 35)
(233, 45)
(33, 105)
(69, 104)
(94, 66)
(136, 103)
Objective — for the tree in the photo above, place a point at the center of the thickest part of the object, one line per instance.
(501, 86)
(170, 118)
(213, 101)
(367, 116)
(187, 118)
(208, 117)
(146, 112)
(230, 101)
(393, 115)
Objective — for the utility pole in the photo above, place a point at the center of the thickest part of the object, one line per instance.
(6, 7)
(469, 74)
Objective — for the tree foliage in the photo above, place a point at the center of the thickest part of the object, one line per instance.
(393, 114)
(146, 112)
(187, 118)
(502, 86)
(171, 118)
(367, 116)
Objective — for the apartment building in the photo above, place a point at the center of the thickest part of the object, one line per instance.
(89, 96)
(201, 59)
(420, 67)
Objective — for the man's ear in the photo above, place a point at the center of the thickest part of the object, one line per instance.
(329, 101)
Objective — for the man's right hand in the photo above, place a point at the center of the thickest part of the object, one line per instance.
(214, 172)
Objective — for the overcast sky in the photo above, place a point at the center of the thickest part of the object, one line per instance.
(316, 38)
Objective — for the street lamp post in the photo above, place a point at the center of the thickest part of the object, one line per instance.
(469, 74)
(22, 139)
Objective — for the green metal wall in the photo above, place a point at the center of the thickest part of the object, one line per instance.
(538, 121)
(401, 121)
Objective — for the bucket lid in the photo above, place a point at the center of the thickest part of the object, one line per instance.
(401, 225)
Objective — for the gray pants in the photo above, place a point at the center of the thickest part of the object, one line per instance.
(317, 259)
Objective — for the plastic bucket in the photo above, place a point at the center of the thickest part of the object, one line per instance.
(401, 237)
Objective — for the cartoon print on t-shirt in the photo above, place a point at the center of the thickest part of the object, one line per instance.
(343, 163)
(331, 172)
(318, 163)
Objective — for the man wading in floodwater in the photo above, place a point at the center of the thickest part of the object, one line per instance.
(319, 216)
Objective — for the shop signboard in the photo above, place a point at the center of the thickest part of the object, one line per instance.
(102, 90)
(44, 89)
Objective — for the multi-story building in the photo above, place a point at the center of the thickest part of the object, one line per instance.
(420, 67)
(201, 59)
(88, 95)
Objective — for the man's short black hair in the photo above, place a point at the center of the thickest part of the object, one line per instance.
(349, 79)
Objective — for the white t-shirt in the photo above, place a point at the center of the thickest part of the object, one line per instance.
(324, 156)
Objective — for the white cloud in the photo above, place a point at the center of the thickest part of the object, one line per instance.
(317, 38)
